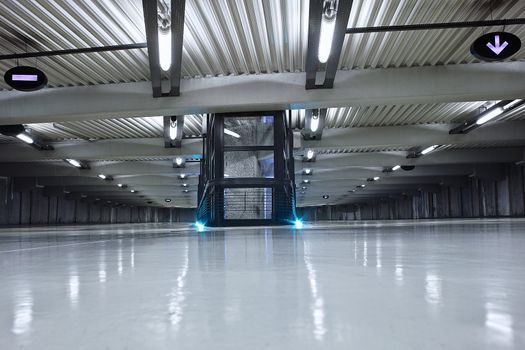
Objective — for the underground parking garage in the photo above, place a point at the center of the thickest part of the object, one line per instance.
(262, 174)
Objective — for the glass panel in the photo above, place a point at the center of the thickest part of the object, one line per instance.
(248, 164)
(247, 203)
(248, 131)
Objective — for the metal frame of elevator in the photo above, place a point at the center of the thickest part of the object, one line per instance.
(212, 182)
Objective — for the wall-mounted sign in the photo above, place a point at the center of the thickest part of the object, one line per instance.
(25, 78)
(495, 46)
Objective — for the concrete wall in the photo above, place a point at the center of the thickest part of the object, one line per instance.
(479, 197)
(34, 208)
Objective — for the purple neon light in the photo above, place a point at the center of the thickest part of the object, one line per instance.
(497, 48)
(24, 77)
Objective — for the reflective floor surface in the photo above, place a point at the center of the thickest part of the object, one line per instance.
(376, 285)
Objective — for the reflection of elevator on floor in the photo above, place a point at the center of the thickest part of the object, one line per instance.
(247, 170)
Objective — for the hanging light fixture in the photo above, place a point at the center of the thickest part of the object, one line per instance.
(165, 37)
(173, 128)
(326, 35)
(314, 123)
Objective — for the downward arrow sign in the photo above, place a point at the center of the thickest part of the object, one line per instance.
(497, 48)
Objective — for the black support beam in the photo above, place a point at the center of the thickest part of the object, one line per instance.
(313, 66)
(152, 38)
(434, 26)
(177, 39)
(74, 51)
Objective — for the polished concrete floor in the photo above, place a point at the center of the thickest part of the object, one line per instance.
(377, 285)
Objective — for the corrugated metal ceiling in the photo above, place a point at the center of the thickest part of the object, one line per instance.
(367, 116)
(227, 37)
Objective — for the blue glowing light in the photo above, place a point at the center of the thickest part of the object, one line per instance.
(200, 226)
(298, 224)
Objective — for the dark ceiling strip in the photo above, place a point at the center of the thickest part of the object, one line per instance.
(343, 13)
(177, 38)
(314, 28)
(152, 38)
(431, 26)
(73, 51)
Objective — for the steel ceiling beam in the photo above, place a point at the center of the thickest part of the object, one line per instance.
(444, 157)
(111, 149)
(511, 133)
(177, 39)
(152, 37)
(415, 85)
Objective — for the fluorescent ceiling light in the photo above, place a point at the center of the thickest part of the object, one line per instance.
(511, 104)
(26, 138)
(376, 178)
(101, 176)
(165, 48)
(310, 154)
(74, 163)
(429, 149)
(326, 35)
(489, 115)
(396, 167)
(314, 123)
(232, 133)
(173, 129)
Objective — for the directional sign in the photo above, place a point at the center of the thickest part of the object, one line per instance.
(495, 46)
(25, 78)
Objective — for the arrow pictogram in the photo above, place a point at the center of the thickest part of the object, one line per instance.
(497, 48)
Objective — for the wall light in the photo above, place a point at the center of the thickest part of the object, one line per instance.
(102, 176)
(396, 167)
(307, 171)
